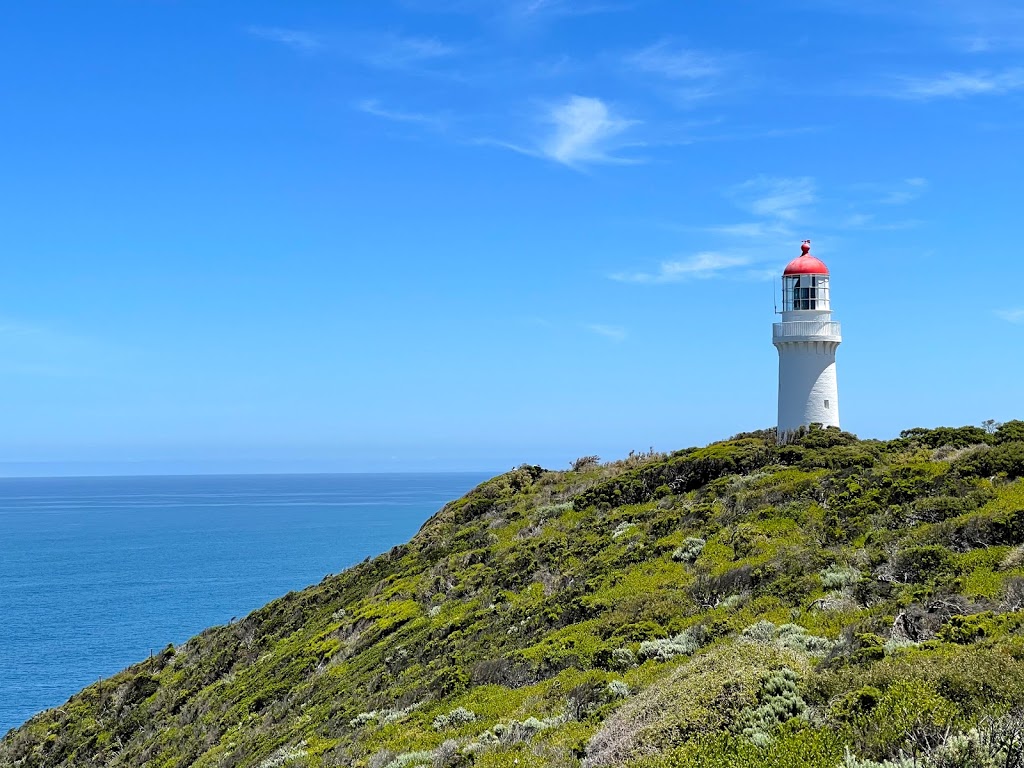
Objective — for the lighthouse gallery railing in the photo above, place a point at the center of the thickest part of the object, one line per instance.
(807, 329)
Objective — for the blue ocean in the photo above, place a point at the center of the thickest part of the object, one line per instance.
(96, 573)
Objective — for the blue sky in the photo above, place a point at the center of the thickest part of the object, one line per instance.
(464, 234)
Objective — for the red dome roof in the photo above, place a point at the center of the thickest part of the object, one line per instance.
(805, 263)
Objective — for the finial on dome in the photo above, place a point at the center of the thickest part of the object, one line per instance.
(805, 247)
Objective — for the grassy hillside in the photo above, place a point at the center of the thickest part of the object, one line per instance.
(834, 602)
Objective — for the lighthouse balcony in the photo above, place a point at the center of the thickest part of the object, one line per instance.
(806, 330)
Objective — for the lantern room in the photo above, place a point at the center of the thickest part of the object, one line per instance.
(805, 283)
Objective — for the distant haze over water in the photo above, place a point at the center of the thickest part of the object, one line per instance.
(97, 572)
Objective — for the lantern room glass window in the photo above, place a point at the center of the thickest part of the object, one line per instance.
(804, 292)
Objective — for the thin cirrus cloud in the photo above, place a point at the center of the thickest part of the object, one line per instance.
(373, 107)
(684, 75)
(776, 198)
(518, 9)
(959, 85)
(674, 63)
(904, 192)
(611, 332)
(405, 53)
(1011, 315)
(757, 230)
(292, 38)
(700, 266)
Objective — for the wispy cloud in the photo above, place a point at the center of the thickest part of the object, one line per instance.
(905, 191)
(756, 230)
(989, 43)
(775, 198)
(1011, 315)
(971, 26)
(888, 193)
(959, 85)
(293, 38)
(538, 9)
(373, 107)
(683, 75)
(869, 222)
(520, 7)
(581, 131)
(700, 266)
(673, 63)
(394, 52)
(584, 131)
(613, 332)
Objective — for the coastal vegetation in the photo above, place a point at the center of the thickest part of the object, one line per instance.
(829, 603)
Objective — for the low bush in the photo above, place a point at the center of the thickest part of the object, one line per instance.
(455, 718)
(686, 643)
(839, 576)
(689, 550)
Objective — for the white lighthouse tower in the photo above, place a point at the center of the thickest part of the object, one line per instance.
(807, 339)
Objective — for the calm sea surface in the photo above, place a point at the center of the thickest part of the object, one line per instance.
(97, 572)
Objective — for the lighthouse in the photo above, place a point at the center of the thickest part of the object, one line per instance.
(807, 339)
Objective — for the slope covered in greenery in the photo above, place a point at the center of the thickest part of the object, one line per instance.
(833, 602)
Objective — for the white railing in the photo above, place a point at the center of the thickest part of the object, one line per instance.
(812, 330)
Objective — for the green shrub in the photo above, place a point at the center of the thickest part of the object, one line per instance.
(907, 711)
(921, 564)
(979, 626)
(795, 746)
(992, 743)
(1005, 458)
(680, 472)
(954, 437)
(1010, 432)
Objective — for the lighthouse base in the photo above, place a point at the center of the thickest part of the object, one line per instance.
(808, 390)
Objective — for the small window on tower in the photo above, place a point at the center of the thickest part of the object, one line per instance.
(826, 403)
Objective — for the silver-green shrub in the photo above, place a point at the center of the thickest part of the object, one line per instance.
(689, 550)
(622, 529)
(553, 510)
(408, 759)
(839, 576)
(779, 702)
(617, 689)
(455, 718)
(796, 637)
(285, 756)
(686, 643)
(791, 636)
(362, 719)
(513, 732)
(623, 658)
